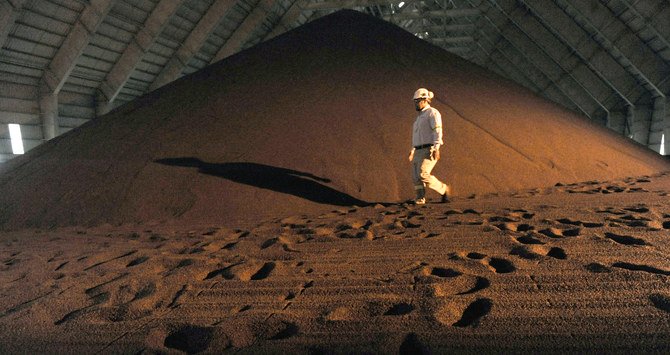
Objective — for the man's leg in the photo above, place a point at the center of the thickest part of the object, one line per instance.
(419, 187)
(429, 180)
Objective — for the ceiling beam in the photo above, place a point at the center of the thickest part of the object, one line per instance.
(337, 5)
(9, 12)
(647, 25)
(506, 69)
(521, 69)
(520, 53)
(537, 43)
(241, 36)
(73, 46)
(450, 28)
(457, 49)
(479, 57)
(611, 49)
(575, 51)
(137, 48)
(446, 40)
(433, 14)
(289, 19)
(209, 21)
(514, 63)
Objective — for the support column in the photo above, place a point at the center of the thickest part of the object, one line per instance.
(666, 124)
(657, 124)
(49, 113)
(640, 120)
(102, 105)
(629, 124)
(617, 122)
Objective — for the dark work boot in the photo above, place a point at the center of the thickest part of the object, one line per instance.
(445, 197)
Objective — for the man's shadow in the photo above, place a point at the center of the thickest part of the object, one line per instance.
(293, 182)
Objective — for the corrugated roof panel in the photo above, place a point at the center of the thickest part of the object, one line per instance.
(665, 54)
(69, 98)
(132, 13)
(176, 31)
(193, 10)
(646, 8)
(27, 33)
(22, 64)
(119, 23)
(20, 75)
(262, 30)
(196, 63)
(618, 7)
(27, 106)
(96, 52)
(660, 22)
(75, 111)
(146, 5)
(164, 47)
(183, 22)
(135, 87)
(143, 77)
(123, 99)
(117, 37)
(152, 63)
(19, 91)
(31, 132)
(80, 89)
(199, 6)
(66, 122)
(34, 52)
(234, 17)
(83, 81)
(189, 70)
(54, 10)
(213, 43)
(209, 48)
(98, 65)
(46, 23)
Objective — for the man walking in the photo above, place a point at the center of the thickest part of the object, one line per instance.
(426, 142)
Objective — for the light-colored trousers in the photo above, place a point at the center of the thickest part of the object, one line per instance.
(422, 166)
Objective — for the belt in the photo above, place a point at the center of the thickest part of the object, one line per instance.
(423, 146)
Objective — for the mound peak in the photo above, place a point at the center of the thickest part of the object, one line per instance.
(315, 118)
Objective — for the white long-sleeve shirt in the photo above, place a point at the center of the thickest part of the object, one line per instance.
(427, 127)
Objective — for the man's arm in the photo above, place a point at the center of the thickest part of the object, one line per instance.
(436, 125)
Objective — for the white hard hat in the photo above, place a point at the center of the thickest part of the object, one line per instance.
(423, 94)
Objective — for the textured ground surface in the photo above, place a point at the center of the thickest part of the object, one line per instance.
(567, 268)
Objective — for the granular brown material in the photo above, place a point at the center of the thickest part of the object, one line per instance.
(316, 118)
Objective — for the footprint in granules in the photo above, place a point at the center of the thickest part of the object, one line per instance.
(625, 239)
(660, 301)
(470, 316)
(501, 266)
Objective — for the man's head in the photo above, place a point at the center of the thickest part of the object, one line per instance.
(420, 104)
(422, 98)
